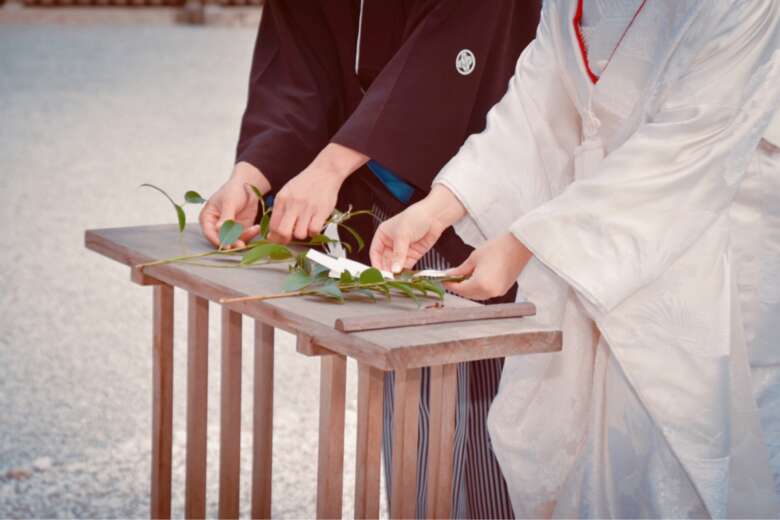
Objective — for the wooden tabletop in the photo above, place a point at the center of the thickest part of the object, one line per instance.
(389, 349)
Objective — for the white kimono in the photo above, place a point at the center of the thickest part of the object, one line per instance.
(651, 201)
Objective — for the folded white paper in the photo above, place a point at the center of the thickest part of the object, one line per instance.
(431, 273)
(339, 265)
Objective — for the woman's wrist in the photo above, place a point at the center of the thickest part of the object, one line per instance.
(443, 206)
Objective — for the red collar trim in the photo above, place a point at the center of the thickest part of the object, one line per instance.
(577, 22)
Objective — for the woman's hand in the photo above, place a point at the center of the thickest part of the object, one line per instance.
(307, 200)
(491, 269)
(402, 240)
(234, 201)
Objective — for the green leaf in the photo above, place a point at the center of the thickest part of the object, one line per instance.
(193, 197)
(265, 224)
(301, 262)
(405, 288)
(330, 290)
(229, 232)
(360, 243)
(266, 252)
(259, 196)
(319, 239)
(320, 271)
(296, 281)
(346, 277)
(433, 286)
(363, 292)
(180, 216)
(371, 275)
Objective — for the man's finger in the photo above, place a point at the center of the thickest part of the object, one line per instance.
(276, 214)
(250, 233)
(209, 219)
(283, 232)
(318, 222)
(301, 230)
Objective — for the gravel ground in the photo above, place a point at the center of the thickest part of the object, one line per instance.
(86, 115)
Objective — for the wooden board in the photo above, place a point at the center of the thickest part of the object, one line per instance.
(394, 320)
(398, 348)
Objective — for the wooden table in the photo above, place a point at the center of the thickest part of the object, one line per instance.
(405, 350)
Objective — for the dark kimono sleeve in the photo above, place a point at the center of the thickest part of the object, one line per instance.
(420, 108)
(294, 101)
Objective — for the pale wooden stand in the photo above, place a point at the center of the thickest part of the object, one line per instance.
(405, 349)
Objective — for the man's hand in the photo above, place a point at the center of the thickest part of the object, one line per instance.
(402, 240)
(304, 204)
(492, 268)
(236, 201)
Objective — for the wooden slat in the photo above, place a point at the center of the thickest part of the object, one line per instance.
(330, 464)
(263, 421)
(403, 499)
(197, 406)
(304, 344)
(443, 400)
(433, 316)
(230, 416)
(162, 401)
(386, 349)
(137, 276)
(369, 441)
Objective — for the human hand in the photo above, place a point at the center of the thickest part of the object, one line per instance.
(304, 204)
(491, 269)
(236, 201)
(402, 240)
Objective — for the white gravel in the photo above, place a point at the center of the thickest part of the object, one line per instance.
(86, 115)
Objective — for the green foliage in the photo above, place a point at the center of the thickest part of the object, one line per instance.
(306, 277)
(370, 276)
(265, 223)
(180, 216)
(193, 197)
(330, 290)
(296, 281)
(229, 233)
(266, 251)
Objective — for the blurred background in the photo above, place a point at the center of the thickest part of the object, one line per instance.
(96, 99)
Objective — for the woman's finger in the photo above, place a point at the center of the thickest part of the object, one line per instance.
(377, 248)
(464, 269)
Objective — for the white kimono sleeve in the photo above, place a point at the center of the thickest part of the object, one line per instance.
(524, 150)
(650, 199)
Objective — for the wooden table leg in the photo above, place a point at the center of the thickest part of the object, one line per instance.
(369, 441)
(263, 421)
(443, 401)
(162, 401)
(230, 415)
(403, 501)
(197, 406)
(330, 466)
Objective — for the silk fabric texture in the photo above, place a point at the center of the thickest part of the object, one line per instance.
(651, 202)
